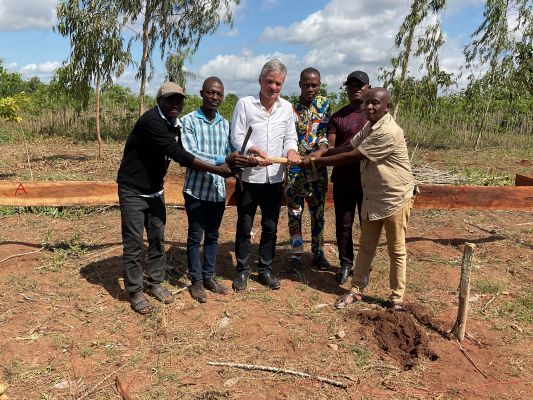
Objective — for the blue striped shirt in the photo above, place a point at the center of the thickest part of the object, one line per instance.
(209, 141)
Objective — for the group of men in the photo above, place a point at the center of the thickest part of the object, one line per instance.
(362, 141)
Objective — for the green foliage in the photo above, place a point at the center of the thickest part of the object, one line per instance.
(11, 84)
(54, 212)
(175, 67)
(172, 26)
(97, 48)
(10, 107)
(429, 40)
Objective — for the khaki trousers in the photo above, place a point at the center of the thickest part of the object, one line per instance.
(395, 231)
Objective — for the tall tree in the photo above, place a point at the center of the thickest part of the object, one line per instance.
(175, 66)
(499, 44)
(429, 39)
(173, 25)
(97, 52)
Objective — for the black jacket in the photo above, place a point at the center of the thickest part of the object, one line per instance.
(149, 148)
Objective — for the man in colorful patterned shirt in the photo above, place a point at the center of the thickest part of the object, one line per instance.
(206, 136)
(311, 113)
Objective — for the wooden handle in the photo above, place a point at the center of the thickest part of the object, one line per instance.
(277, 160)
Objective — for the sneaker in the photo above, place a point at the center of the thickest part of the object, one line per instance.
(198, 293)
(214, 286)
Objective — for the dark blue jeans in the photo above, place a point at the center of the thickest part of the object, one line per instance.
(346, 199)
(204, 218)
(138, 213)
(268, 197)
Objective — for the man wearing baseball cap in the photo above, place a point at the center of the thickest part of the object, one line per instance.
(153, 142)
(347, 190)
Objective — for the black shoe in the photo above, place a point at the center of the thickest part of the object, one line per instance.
(214, 286)
(269, 281)
(293, 265)
(321, 263)
(343, 273)
(240, 282)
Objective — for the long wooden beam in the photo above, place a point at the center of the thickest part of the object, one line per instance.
(71, 193)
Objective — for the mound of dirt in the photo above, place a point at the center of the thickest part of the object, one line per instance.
(398, 335)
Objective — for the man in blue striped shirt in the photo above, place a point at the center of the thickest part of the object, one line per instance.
(206, 136)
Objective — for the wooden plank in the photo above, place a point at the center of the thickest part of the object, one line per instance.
(448, 197)
(71, 193)
(523, 180)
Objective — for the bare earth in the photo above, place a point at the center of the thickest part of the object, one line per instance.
(67, 330)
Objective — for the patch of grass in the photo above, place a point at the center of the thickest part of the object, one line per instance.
(63, 250)
(74, 247)
(36, 370)
(520, 309)
(484, 178)
(87, 352)
(488, 286)
(212, 395)
(360, 354)
(54, 212)
(293, 305)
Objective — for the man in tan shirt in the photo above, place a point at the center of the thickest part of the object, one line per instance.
(387, 187)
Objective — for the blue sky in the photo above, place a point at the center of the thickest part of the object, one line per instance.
(335, 36)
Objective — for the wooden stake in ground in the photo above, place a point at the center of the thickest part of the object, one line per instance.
(464, 292)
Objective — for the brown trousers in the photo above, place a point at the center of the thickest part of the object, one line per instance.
(395, 231)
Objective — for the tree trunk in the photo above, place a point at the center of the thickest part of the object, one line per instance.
(98, 135)
(405, 65)
(144, 58)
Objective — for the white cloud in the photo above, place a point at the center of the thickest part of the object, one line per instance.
(44, 71)
(240, 73)
(27, 14)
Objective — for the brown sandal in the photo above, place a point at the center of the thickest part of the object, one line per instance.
(161, 294)
(347, 299)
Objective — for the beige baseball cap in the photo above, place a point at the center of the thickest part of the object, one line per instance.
(169, 89)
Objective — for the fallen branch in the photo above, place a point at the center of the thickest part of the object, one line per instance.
(470, 359)
(251, 367)
(121, 389)
(489, 302)
(93, 389)
(22, 254)
(481, 228)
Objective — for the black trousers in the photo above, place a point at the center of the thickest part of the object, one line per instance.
(137, 214)
(268, 197)
(346, 199)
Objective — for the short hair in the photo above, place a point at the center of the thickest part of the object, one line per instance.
(212, 78)
(273, 65)
(309, 70)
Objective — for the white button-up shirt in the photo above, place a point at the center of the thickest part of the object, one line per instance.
(274, 133)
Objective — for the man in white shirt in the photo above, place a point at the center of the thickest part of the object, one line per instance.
(273, 135)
